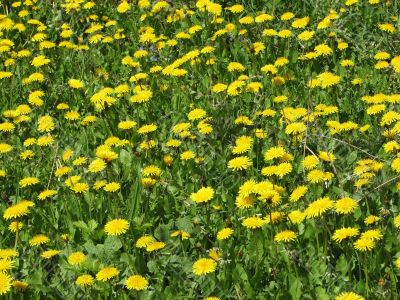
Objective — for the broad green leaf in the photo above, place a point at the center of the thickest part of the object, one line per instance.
(295, 287)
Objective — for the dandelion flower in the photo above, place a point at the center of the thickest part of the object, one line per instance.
(187, 155)
(204, 194)
(373, 234)
(235, 66)
(274, 152)
(243, 201)
(318, 207)
(75, 84)
(97, 165)
(298, 193)
(224, 233)
(349, 296)
(136, 283)
(144, 241)
(183, 234)
(253, 222)
(125, 125)
(364, 244)
(80, 187)
(371, 220)
(38, 239)
(8, 253)
(123, 7)
(296, 216)
(46, 194)
(76, 258)
(84, 280)
(316, 176)
(345, 205)
(343, 233)
(239, 163)
(285, 236)
(295, 128)
(18, 210)
(154, 246)
(107, 273)
(147, 129)
(243, 144)
(15, 226)
(20, 285)
(28, 181)
(112, 187)
(6, 265)
(310, 162)
(45, 124)
(397, 262)
(50, 253)
(204, 266)
(5, 283)
(116, 227)
(396, 222)
(387, 27)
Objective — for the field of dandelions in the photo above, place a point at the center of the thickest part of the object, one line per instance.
(157, 149)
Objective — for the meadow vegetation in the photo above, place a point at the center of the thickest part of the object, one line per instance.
(199, 150)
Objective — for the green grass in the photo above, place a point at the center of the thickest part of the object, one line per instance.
(252, 265)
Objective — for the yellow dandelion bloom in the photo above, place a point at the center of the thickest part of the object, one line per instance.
(49, 253)
(253, 222)
(239, 163)
(154, 246)
(28, 181)
(136, 283)
(396, 222)
(285, 236)
(296, 217)
(8, 253)
(298, 193)
(15, 226)
(224, 233)
(343, 233)
(112, 187)
(373, 234)
(318, 207)
(18, 210)
(20, 285)
(187, 155)
(39, 239)
(144, 241)
(345, 205)
(46, 194)
(5, 283)
(204, 266)
(6, 265)
(97, 165)
(397, 262)
(204, 194)
(349, 295)
(84, 280)
(371, 220)
(183, 234)
(76, 258)
(116, 227)
(364, 244)
(75, 83)
(310, 162)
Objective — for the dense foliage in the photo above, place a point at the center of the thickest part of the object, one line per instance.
(199, 150)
